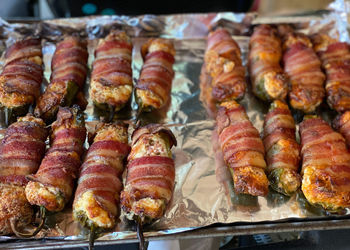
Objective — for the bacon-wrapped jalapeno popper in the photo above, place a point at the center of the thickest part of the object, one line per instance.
(303, 68)
(96, 202)
(150, 174)
(243, 149)
(154, 85)
(21, 152)
(52, 186)
(335, 58)
(267, 77)
(111, 77)
(21, 77)
(326, 165)
(282, 150)
(223, 64)
(68, 75)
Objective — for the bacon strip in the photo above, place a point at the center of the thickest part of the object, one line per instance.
(21, 151)
(282, 150)
(53, 184)
(68, 65)
(326, 165)
(223, 67)
(342, 124)
(336, 63)
(22, 75)
(242, 149)
(151, 173)
(303, 68)
(267, 77)
(111, 77)
(100, 177)
(154, 85)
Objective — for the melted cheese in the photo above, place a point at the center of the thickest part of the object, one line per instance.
(149, 98)
(39, 194)
(90, 208)
(110, 94)
(150, 145)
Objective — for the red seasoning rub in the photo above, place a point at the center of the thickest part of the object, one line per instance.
(223, 70)
(265, 54)
(303, 68)
(21, 152)
(96, 202)
(282, 150)
(111, 77)
(243, 149)
(21, 77)
(150, 174)
(326, 165)
(68, 75)
(342, 124)
(53, 184)
(335, 58)
(154, 85)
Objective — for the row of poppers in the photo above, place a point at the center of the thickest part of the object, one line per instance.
(111, 82)
(281, 63)
(29, 176)
(275, 159)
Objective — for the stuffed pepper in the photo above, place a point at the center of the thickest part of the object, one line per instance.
(96, 203)
(111, 76)
(326, 165)
(153, 88)
(282, 150)
(335, 58)
(68, 75)
(303, 68)
(242, 149)
(21, 152)
(223, 75)
(52, 185)
(150, 174)
(21, 78)
(268, 79)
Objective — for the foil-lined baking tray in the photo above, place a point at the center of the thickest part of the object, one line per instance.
(201, 198)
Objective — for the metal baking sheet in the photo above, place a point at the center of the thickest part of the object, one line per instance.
(199, 199)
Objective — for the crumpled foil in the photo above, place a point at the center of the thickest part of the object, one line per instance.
(201, 197)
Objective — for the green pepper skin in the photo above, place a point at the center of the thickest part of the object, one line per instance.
(282, 149)
(141, 106)
(10, 114)
(261, 92)
(245, 200)
(276, 182)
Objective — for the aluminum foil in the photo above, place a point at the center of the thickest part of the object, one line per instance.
(203, 193)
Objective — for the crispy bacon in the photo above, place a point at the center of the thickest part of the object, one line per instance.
(22, 74)
(326, 165)
(303, 68)
(21, 151)
(151, 173)
(342, 124)
(53, 184)
(111, 77)
(282, 150)
(100, 177)
(223, 67)
(154, 85)
(336, 63)
(267, 77)
(68, 66)
(242, 149)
